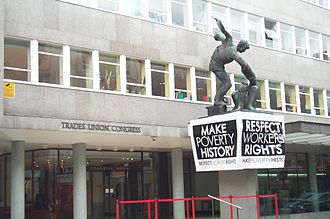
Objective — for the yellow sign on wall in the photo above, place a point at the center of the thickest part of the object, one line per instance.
(9, 89)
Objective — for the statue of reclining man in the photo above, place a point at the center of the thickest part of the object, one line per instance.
(224, 54)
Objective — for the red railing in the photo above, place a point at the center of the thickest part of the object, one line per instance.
(192, 201)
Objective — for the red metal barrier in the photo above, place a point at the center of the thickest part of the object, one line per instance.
(231, 198)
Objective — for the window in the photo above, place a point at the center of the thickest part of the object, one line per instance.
(179, 13)
(160, 80)
(237, 25)
(322, 162)
(305, 99)
(219, 12)
(157, 10)
(324, 3)
(16, 59)
(326, 47)
(200, 16)
(328, 102)
(300, 41)
(81, 68)
(50, 63)
(254, 29)
(182, 83)
(203, 85)
(290, 98)
(109, 5)
(134, 8)
(314, 44)
(109, 72)
(261, 96)
(271, 34)
(135, 76)
(318, 102)
(286, 37)
(275, 96)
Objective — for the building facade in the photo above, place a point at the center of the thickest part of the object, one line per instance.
(97, 95)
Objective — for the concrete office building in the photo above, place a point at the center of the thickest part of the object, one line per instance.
(97, 95)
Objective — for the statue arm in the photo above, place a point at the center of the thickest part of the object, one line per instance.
(222, 29)
(245, 68)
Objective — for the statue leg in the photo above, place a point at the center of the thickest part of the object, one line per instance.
(253, 91)
(223, 88)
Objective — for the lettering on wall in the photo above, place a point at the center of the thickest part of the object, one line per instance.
(99, 127)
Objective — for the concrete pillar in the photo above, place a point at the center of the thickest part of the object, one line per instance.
(239, 182)
(17, 180)
(177, 182)
(79, 181)
(312, 176)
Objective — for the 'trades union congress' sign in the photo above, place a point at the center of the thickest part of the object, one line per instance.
(239, 140)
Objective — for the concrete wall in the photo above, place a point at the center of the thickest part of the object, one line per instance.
(1, 54)
(74, 25)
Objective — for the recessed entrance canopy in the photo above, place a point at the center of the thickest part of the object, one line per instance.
(307, 133)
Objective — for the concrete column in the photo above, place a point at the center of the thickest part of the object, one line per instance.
(239, 182)
(79, 181)
(17, 180)
(177, 182)
(312, 176)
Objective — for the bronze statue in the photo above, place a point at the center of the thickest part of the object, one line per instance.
(224, 54)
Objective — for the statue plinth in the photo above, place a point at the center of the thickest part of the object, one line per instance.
(216, 110)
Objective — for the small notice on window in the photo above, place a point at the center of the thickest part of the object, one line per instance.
(9, 89)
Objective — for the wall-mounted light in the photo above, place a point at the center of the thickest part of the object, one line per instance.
(154, 138)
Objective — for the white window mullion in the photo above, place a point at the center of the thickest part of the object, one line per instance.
(123, 80)
(190, 14)
(209, 18)
(321, 46)
(169, 11)
(96, 70)
(308, 48)
(228, 16)
(171, 80)
(298, 98)
(267, 97)
(311, 99)
(34, 62)
(147, 69)
(325, 101)
(263, 36)
(66, 66)
(146, 9)
(294, 45)
(213, 86)
(278, 35)
(283, 96)
(246, 27)
(193, 84)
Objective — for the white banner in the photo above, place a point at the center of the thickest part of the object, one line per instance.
(238, 140)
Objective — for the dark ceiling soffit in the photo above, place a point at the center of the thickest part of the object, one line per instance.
(307, 127)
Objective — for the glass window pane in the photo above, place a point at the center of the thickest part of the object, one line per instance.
(182, 83)
(109, 72)
(237, 23)
(275, 96)
(50, 69)
(314, 44)
(305, 103)
(159, 80)
(326, 47)
(157, 10)
(134, 8)
(83, 83)
(261, 96)
(290, 98)
(286, 37)
(271, 34)
(50, 48)
(17, 75)
(203, 86)
(179, 13)
(16, 53)
(200, 16)
(219, 12)
(81, 63)
(135, 76)
(255, 29)
(109, 5)
(300, 41)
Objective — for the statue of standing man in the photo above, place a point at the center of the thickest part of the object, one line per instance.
(224, 54)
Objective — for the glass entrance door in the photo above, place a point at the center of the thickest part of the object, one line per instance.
(114, 188)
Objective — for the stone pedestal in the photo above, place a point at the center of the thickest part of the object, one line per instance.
(216, 110)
